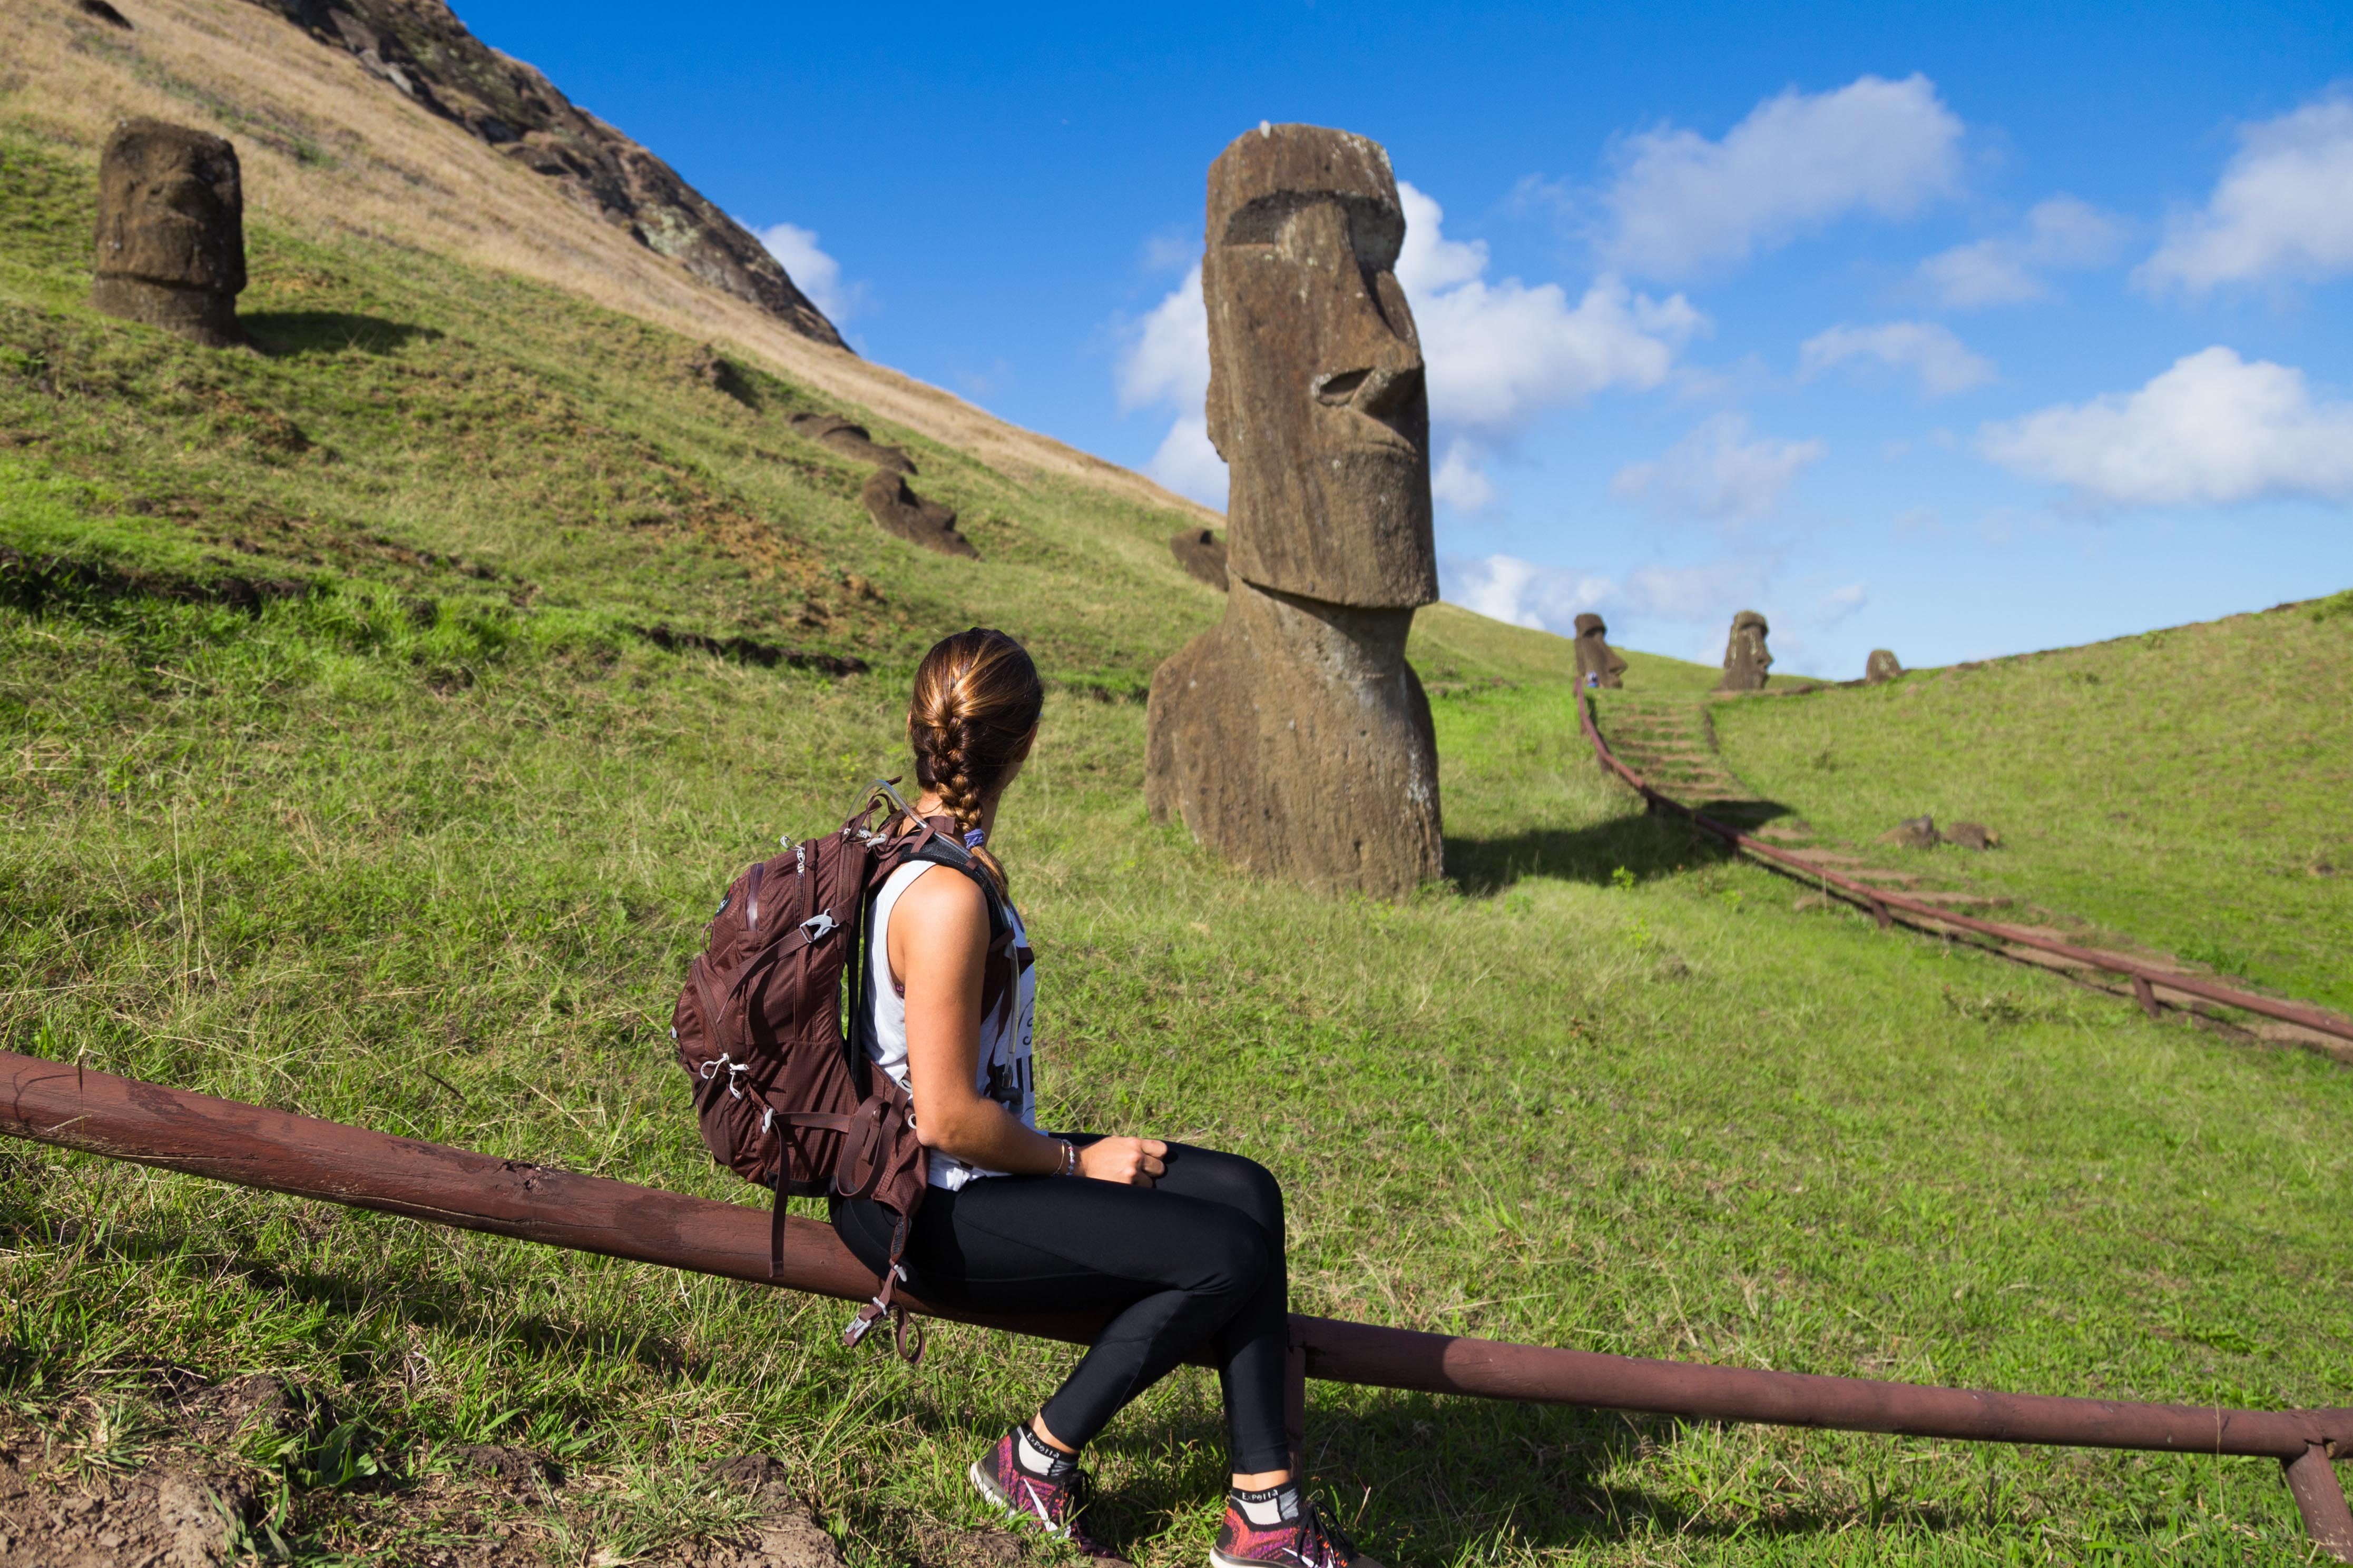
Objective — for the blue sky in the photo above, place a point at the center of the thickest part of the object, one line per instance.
(1956, 332)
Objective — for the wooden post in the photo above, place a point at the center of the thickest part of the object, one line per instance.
(2144, 993)
(1879, 913)
(2321, 1501)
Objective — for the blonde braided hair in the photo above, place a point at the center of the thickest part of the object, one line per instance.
(978, 696)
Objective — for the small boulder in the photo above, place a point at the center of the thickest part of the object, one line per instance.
(1201, 551)
(1881, 667)
(1972, 836)
(719, 374)
(1914, 833)
(899, 511)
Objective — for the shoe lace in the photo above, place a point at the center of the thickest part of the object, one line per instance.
(1322, 1543)
(1070, 1499)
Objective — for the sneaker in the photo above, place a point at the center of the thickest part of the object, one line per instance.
(1278, 1529)
(1031, 1481)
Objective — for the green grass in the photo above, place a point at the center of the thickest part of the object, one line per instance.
(438, 874)
(2186, 788)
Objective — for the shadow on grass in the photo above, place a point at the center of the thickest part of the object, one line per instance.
(1447, 1480)
(1658, 844)
(284, 334)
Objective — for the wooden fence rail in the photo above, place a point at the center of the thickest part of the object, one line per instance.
(67, 1106)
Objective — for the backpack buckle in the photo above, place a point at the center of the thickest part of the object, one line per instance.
(820, 925)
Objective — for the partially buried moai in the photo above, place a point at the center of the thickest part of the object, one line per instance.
(1597, 664)
(1745, 657)
(1292, 737)
(171, 231)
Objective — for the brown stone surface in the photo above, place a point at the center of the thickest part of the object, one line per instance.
(1881, 667)
(1972, 836)
(836, 433)
(1293, 739)
(171, 231)
(1597, 664)
(1316, 395)
(1201, 551)
(1914, 833)
(901, 511)
(1746, 658)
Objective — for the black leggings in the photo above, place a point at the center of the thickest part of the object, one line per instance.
(1197, 1258)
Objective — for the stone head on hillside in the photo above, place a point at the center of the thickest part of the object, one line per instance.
(171, 231)
(1597, 664)
(1881, 667)
(1292, 737)
(1746, 658)
(1316, 396)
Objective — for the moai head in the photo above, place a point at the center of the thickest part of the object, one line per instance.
(1597, 664)
(1745, 657)
(171, 230)
(1316, 398)
(1881, 667)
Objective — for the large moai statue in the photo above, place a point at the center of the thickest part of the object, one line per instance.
(1881, 667)
(1597, 664)
(1745, 657)
(171, 231)
(1292, 737)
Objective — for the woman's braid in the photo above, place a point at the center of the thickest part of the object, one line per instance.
(978, 696)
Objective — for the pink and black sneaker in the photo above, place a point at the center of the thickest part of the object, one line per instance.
(1278, 1529)
(1030, 1481)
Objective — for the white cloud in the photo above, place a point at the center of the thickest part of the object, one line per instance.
(2061, 233)
(1188, 464)
(1498, 355)
(814, 272)
(2282, 210)
(1839, 603)
(1717, 472)
(1681, 203)
(1547, 598)
(1167, 356)
(1940, 359)
(1458, 481)
(2214, 430)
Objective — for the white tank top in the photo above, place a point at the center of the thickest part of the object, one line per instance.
(1003, 1074)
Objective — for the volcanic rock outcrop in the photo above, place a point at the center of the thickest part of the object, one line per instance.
(1881, 667)
(421, 49)
(1597, 664)
(1201, 551)
(901, 511)
(1292, 737)
(171, 231)
(1745, 657)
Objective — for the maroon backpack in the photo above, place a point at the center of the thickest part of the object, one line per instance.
(785, 1094)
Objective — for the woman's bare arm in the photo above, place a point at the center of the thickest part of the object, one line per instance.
(938, 944)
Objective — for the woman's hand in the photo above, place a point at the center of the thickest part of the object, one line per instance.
(1130, 1162)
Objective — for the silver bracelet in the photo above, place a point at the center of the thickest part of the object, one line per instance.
(1069, 1158)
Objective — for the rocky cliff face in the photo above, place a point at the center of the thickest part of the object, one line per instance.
(420, 48)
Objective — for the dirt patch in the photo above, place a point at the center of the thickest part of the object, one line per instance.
(55, 1514)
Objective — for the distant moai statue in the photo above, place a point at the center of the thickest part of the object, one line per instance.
(1881, 667)
(1745, 657)
(1292, 737)
(1597, 664)
(171, 231)
(1201, 551)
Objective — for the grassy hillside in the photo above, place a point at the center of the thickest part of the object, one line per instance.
(335, 779)
(2186, 787)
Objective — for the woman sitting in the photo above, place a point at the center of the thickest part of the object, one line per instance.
(1182, 1247)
